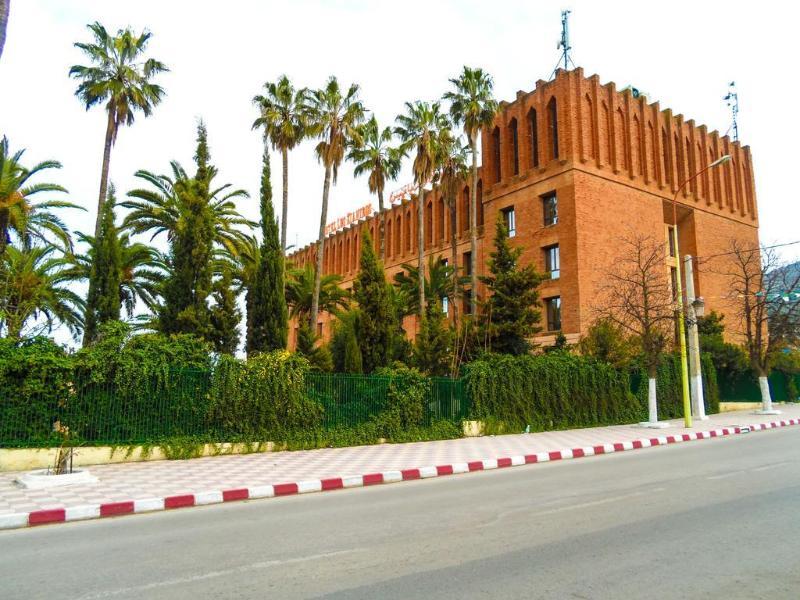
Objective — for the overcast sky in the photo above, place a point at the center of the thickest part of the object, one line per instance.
(682, 54)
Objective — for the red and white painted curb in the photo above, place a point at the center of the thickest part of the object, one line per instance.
(96, 511)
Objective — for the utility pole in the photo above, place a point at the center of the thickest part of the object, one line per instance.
(695, 372)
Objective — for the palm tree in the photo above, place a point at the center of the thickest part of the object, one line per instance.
(472, 104)
(334, 117)
(452, 171)
(120, 77)
(141, 271)
(283, 120)
(419, 129)
(440, 282)
(29, 220)
(36, 283)
(380, 160)
(158, 210)
(5, 9)
(300, 293)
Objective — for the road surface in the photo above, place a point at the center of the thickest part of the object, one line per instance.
(716, 519)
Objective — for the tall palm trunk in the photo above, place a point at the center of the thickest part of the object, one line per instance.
(104, 172)
(451, 207)
(381, 225)
(473, 225)
(326, 188)
(5, 9)
(421, 249)
(285, 208)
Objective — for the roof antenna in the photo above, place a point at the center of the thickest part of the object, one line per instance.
(732, 99)
(564, 44)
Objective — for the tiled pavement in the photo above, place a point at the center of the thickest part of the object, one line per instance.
(135, 481)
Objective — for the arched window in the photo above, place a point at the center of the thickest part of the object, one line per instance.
(714, 179)
(620, 141)
(552, 127)
(347, 254)
(496, 153)
(514, 136)
(691, 165)
(533, 133)
(429, 224)
(465, 211)
(398, 235)
(480, 203)
(650, 152)
(680, 160)
(440, 220)
(605, 135)
(589, 129)
(636, 155)
(408, 231)
(387, 243)
(355, 252)
(667, 157)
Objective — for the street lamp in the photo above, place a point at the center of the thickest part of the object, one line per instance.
(687, 410)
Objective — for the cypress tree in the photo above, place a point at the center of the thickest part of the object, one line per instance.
(376, 320)
(267, 313)
(186, 290)
(103, 302)
(225, 315)
(511, 315)
(433, 347)
(318, 356)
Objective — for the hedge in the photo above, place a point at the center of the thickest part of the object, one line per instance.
(549, 391)
(669, 388)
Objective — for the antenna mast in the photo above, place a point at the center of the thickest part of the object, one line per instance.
(732, 99)
(563, 44)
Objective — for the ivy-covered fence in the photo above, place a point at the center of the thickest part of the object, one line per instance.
(550, 391)
(273, 397)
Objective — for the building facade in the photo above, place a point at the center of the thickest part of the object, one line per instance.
(574, 167)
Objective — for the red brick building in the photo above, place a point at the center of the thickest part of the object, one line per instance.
(574, 165)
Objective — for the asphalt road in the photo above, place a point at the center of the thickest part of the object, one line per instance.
(716, 519)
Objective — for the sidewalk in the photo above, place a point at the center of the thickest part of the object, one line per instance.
(140, 487)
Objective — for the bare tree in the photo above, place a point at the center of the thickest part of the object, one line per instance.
(637, 296)
(766, 310)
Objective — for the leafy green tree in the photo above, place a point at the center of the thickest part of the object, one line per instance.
(433, 346)
(345, 350)
(375, 324)
(606, 341)
(103, 302)
(20, 213)
(225, 315)
(472, 104)
(440, 283)
(376, 157)
(121, 77)
(728, 359)
(511, 310)
(283, 118)
(268, 324)
(334, 117)
(318, 355)
(37, 284)
(419, 131)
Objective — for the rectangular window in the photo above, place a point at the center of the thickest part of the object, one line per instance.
(550, 203)
(445, 304)
(552, 261)
(467, 265)
(319, 329)
(553, 310)
(671, 240)
(510, 220)
(467, 302)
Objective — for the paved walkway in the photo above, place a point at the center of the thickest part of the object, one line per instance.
(160, 479)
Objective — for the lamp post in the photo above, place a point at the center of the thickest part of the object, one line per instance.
(695, 308)
(687, 409)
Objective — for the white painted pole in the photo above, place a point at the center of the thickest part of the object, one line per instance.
(695, 371)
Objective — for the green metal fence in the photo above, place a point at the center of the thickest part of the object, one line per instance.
(180, 404)
(744, 387)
